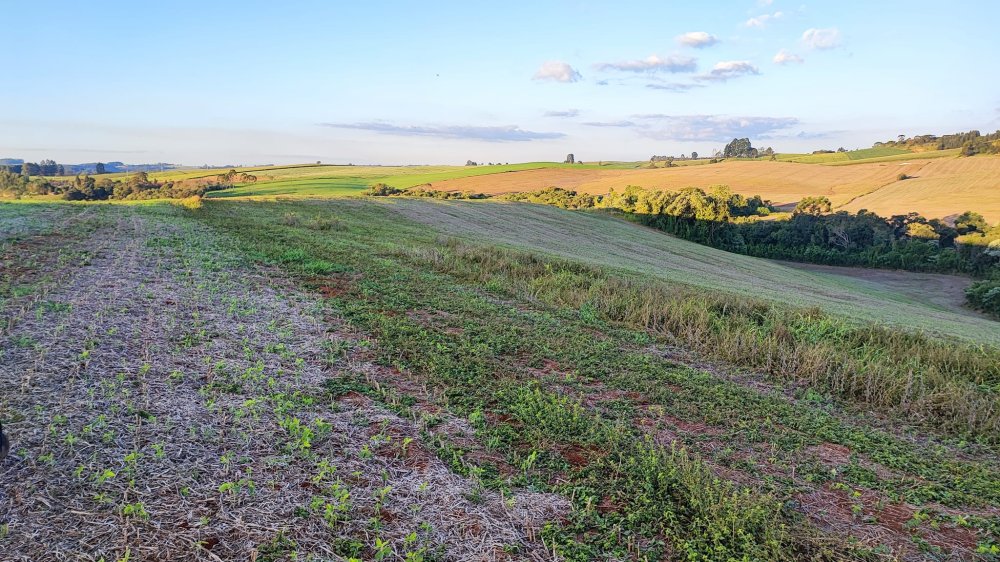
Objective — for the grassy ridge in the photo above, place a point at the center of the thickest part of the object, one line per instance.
(605, 241)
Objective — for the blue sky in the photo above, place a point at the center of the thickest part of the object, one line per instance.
(442, 82)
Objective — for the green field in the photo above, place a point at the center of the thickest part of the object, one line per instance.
(866, 156)
(842, 157)
(335, 181)
(603, 240)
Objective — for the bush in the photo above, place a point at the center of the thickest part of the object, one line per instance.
(383, 190)
(985, 296)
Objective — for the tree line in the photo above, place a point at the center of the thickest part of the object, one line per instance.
(136, 186)
(971, 142)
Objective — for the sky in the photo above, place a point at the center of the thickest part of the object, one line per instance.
(380, 82)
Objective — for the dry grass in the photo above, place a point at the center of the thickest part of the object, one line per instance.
(165, 403)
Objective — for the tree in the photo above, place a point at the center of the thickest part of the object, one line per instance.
(694, 155)
(99, 168)
(739, 148)
(921, 231)
(813, 206)
(969, 222)
(569, 159)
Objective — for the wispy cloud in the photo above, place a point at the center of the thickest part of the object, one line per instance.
(673, 86)
(764, 3)
(510, 133)
(557, 71)
(802, 135)
(763, 19)
(567, 113)
(710, 127)
(821, 38)
(697, 39)
(653, 63)
(729, 69)
(784, 57)
(622, 123)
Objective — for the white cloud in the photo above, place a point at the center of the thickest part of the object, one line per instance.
(725, 70)
(821, 38)
(610, 124)
(764, 3)
(673, 86)
(465, 132)
(566, 113)
(711, 127)
(763, 19)
(558, 71)
(697, 39)
(784, 57)
(652, 63)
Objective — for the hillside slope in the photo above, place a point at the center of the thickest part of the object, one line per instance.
(604, 240)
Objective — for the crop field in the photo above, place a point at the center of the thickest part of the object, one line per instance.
(939, 184)
(943, 188)
(355, 379)
(334, 181)
(849, 156)
(937, 187)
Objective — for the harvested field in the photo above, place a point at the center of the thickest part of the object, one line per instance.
(943, 188)
(166, 403)
(939, 188)
(781, 182)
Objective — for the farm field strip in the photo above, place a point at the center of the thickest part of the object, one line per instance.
(167, 402)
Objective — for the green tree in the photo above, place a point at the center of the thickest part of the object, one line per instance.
(813, 206)
(99, 168)
(969, 222)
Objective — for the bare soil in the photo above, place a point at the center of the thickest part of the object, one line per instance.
(156, 392)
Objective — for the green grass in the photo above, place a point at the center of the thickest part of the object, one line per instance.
(337, 181)
(606, 241)
(865, 156)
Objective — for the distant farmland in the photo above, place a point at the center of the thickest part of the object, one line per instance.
(939, 187)
(938, 184)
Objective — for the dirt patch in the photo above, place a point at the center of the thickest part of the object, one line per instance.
(173, 411)
(831, 454)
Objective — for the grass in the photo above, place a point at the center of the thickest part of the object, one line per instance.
(606, 241)
(673, 422)
(334, 181)
(554, 363)
(851, 156)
